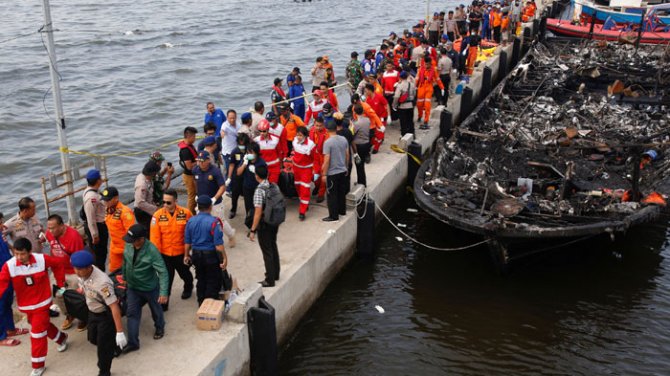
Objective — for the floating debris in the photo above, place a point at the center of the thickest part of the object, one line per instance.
(379, 309)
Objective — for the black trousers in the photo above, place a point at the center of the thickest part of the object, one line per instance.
(100, 249)
(102, 333)
(335, 186)
(248, 194)
(267, 239)
(208, 274)
(236, 192)
(363, 152)
(451, 35)
(433, 37)
(394, 114)
(497, 36)
(406, 116)
(173, 263)
(446, 80)
(144, 219)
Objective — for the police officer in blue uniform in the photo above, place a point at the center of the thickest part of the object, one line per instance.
(203, 240)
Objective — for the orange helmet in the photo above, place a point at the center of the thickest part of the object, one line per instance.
(263, 125)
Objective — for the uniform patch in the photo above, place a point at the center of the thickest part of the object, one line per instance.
(105, 292)
(210, 177)
(153, 221)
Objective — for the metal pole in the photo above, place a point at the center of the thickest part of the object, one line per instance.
(427, 10)
(60, 117)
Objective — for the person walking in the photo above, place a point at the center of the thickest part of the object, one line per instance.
(277, 95)
(291, 122)
(444, 66)
(28, 273)
(271, 150)
(335, 160)
(203, 247)
(318, 73)
(403, 101)
(96, 229)
(7, 328)
(267, 233)
(305, 170)
(144, 194)
(163, 179)
(214, 115)
(246, 170)
(63, 242)
(296, 94)
(118, 218)
(353, 72)
(426, 79)
(187, 155)
(229, 137)
(105, 328)
(318, 134)
(232, 180)
(381, 108)
(210, 182)
(360, 127)
(167, 234)
(147, 282)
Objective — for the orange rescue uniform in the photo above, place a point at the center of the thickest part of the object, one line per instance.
(426, 78)
(167, 230)
(118, 221)
(291, 124)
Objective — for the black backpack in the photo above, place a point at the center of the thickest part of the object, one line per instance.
(274, 212)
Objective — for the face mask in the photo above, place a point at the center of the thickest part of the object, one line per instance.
(242, 147)
(250, 157)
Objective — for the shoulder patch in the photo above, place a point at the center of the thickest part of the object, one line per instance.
(105, 292)
(153, 221)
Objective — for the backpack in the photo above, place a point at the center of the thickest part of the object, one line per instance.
(82, 213)
(274, 212)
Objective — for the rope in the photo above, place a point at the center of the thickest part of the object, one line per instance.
(426, 245)
(130, 154)
(398, 149)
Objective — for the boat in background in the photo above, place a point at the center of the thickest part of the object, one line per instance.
(621, 13)
(600, 32)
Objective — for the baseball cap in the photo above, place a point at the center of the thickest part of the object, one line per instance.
(135, 232)
(246, 116)
(209, 140)
(157, 156)
(203, 155)
(81, 259)
(204, 200)
(109, 193)
(270, 116)
(93, 174)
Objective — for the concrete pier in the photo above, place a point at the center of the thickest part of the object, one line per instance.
(312, 253)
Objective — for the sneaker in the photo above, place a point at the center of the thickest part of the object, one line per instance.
(53, 313)
(37, 371)
(67, 324)
(63, 345)
(81, 326)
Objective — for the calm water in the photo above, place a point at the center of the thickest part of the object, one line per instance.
(604, 310)
(135, 73)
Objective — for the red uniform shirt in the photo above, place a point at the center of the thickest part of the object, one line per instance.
(280, 132)
(378, 103)
(389, 79)
(63, 247)
(304, 153)
(270, 149)
(31, 282)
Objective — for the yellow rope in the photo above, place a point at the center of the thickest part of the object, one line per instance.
(398, 149)
(130, 154)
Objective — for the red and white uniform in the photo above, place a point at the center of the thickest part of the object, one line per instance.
(380, 106)
(33, 297)
(270, 152)
(304, 168)
(280, 132)
(319, 137)
(389, 79)
(314, 109)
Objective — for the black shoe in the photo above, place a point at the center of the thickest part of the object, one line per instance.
(265, 283)
(301, 217)
(328, 219)
(130, 349)
(53, 313)
(320, 199)
(104, 374)
(368, 158)
(343, 213)
(232, 215)
(165, 307)
(187, 293)
(375, 151)
(159, 333)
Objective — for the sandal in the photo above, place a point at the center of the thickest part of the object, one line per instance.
(17, 332)
(10, 342)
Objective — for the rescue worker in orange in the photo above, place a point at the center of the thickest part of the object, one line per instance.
(318, 134)
(118, 219)
(167, 233)
(426, 78)
(496, 23)
(305, 170)
(290, 122)
(380, 107)
(475, 46)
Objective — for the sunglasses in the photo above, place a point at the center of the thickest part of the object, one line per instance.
(167, 202)
(263, 131)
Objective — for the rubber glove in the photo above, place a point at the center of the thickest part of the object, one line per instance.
(228, 182)
(316, 177)
(121, 340)
(357, 159)
(213, 200)
(382, 129)
(60, 292)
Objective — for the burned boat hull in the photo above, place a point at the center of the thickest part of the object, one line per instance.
(549, 158)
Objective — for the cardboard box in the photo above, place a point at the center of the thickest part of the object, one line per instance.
(210, 315)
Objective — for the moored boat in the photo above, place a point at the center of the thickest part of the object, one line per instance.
(599, 32)
(623, 14)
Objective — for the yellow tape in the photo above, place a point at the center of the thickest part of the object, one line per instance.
(397, 149)
(130, 154)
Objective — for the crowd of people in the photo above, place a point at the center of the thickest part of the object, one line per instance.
(304, 144)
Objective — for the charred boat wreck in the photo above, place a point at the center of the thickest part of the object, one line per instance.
(570, 146)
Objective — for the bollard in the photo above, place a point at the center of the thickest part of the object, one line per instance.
(466, 103)
(502, 67)
(412, 165)
(262, 339)
(543, 28)
(536, 27)
(487, 81)
(446, 122)
(554, 9)
(365, 229)
(516, 51)
(527, 40)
